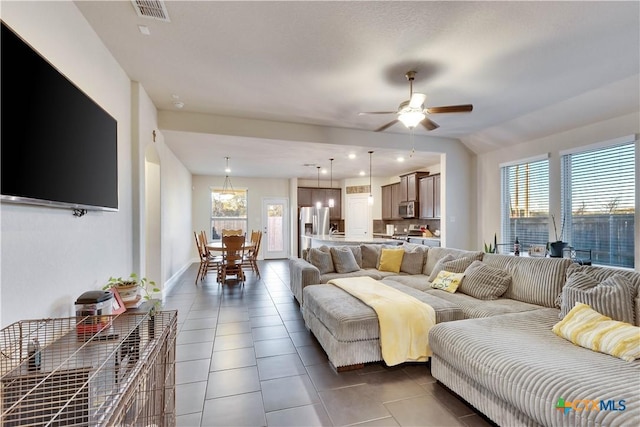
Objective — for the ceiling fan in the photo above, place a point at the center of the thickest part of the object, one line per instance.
(413, 112)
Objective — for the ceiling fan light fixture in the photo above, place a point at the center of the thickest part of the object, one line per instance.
(411, 118)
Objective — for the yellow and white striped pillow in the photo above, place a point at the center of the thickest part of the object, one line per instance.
(587, 328)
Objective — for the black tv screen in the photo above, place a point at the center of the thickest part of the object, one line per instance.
(58, 146)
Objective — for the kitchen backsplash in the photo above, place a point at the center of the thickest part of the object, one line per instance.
(402, 225)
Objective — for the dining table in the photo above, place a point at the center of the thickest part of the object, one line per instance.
(217, 246)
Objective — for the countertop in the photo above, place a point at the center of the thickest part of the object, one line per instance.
(340, 239)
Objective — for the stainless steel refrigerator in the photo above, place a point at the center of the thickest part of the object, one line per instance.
(313, 221)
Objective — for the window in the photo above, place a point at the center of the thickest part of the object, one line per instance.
(228, 211)
(598, 202)
(525, 203)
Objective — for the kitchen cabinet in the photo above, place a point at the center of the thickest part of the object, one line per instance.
(409, 183)
(387, 209)
(308, 196)
(395, 201)
(390, 201)
(429, 190)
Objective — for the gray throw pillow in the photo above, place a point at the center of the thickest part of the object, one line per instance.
(613, 297)
(451, 264)
(357, 253)
(370, 254)
(413, 261)
(343, 260)
(322, 260)
(484, 282)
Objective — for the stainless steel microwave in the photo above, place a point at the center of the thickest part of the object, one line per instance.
(408, 209)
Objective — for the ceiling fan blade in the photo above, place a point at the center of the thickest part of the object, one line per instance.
(417, 99)
(465, 108)
(429, 124)
(365, 113)
(391, 123)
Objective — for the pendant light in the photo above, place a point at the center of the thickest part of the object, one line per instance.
(227, 189)
(332, 202)
(319, 202)
(370, 188)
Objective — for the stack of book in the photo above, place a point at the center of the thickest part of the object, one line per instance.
(135, 303)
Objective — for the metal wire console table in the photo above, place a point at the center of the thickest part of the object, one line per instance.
(123, 374)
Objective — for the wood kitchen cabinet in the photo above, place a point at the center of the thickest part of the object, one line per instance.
(429, 190)
(387, 201)
(308, 196)
(409, 186)
(395, 201)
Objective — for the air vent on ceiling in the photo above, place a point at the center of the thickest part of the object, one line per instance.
(153, 9)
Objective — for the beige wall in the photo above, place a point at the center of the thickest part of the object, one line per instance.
(49, 257)
(259, 188)
(488, 173)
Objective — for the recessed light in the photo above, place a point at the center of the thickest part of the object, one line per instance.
(323, 171)
(144, 30)
(362, 173)
(352, 156)
(400, 159)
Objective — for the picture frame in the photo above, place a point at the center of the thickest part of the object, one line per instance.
(118, 306)
(538, 251)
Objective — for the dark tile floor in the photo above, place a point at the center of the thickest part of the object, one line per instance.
(245, 358)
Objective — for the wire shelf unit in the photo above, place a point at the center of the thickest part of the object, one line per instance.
(123, 374)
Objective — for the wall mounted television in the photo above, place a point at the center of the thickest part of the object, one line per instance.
(59, 148)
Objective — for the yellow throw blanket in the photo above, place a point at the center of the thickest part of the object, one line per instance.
(404, 320)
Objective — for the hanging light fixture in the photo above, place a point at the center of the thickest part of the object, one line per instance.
(319, 202)
(332, 202)
(227, 192)
(370, 188)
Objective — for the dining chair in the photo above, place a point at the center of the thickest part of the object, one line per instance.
(211, 262)
(227, 232)
(233, 256)
(251, 257)
(203, 259)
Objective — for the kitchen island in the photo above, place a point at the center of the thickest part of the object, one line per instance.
(340, 240)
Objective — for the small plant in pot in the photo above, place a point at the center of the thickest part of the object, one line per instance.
(555, 248)
(131, 288)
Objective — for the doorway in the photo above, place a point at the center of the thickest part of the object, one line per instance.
(275, 220)
(357, 216)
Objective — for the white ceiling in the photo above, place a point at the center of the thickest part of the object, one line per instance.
(529, 68)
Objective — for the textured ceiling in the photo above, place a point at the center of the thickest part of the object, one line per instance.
(529, 68)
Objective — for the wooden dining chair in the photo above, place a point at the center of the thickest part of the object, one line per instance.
(233, 256)
(203, 259)
(226, 232)
(211, 262)
(251, 257)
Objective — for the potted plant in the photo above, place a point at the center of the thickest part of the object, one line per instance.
(131, 288)
(555, 248)
(492, 249)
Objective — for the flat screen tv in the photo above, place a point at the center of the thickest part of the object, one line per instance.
(59, 148)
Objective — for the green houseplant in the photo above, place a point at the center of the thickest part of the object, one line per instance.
(130, 287)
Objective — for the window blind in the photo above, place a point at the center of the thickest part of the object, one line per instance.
(525, 204)
(598, 203)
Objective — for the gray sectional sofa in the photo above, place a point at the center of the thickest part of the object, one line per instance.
(501, 354)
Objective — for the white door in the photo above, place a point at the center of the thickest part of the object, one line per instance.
(357, 216)
(275, 235)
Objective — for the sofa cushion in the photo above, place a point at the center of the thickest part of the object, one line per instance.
(357, 253)
(587, 328)
(391, 259)
(369, 272)
(533, 280)
(450, 264)
(321, 260)
(447, 281)
(412, 261)
(434, 254)
(415, 281)
(602, 273)
(343, 260)
(370, 255)
(484, 282)
(474, 308)
(613, 297)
